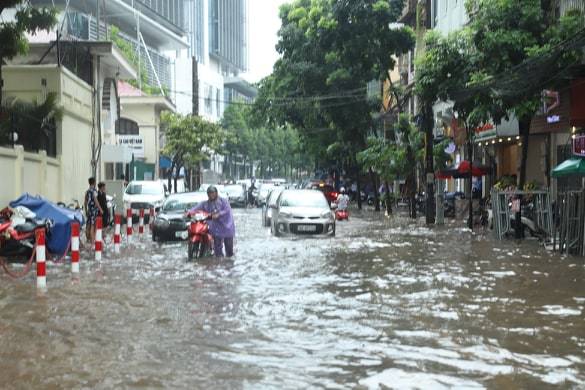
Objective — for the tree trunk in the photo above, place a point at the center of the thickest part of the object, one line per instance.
(375, 184)
(1, 84)
(429, 168)
(169, 184)
(388, 200)
(359, 188)
(470, 181)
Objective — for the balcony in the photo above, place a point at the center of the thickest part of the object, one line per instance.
(568, 5)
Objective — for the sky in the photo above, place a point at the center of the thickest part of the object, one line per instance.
(264, 25)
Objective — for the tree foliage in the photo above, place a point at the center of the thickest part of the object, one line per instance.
(190, 139)
(28, 19)
(329, 51)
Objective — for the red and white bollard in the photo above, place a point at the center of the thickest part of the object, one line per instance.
(117, 238)
(41, 265)
(129, 225)
(151, 217)
(141, 224)
(98, 239)
(75, 248)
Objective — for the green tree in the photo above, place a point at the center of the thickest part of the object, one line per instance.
(28, 19)
(189, 140)
(329, 52)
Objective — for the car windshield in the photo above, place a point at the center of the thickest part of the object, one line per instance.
(144, 189)
(304, 199)
(181, 203)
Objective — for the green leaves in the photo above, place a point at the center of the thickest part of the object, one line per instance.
(27, 19)
(190, 139)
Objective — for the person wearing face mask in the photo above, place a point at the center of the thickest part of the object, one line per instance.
(221, 225)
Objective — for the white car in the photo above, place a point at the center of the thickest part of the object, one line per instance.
(143, 195)
(302, 212)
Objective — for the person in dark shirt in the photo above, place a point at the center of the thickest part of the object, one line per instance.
(103, 201)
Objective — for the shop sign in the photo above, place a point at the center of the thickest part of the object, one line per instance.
(579, 145)
(134, 142)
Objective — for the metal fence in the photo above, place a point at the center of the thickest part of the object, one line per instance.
(570, 226)
(541, 214)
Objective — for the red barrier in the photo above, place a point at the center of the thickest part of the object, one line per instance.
(75, 247)
(129, 224)
(141, 223)
(117, 238)
(41, 264)
(98, 238)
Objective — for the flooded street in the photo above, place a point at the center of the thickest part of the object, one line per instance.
(381, 303)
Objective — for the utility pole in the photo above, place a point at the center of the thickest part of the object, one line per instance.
(427, 122)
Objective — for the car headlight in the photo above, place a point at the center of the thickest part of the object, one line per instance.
(284, 214)
(327, 214)
(159, 222)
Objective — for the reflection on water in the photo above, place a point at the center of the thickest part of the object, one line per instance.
(382, 303)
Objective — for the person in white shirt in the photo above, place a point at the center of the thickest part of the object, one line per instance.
(342, 200)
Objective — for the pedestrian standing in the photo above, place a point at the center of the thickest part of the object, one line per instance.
(103, 202)
(221, 226)
(92, 210)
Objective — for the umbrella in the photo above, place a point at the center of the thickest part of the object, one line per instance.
(461, 170)
(572, 167)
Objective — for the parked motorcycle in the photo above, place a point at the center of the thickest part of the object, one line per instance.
(200, 241)
(17, 242)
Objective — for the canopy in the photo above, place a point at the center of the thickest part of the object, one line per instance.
(574, 166)
(58, 240)
(461, 170)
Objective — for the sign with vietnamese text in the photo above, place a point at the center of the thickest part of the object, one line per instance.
(134, 142)
(579, 145)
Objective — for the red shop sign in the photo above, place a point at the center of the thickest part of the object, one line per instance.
(579, 145)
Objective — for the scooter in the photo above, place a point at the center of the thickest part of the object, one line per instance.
(200, 241)
(340, 215)
(17, 243)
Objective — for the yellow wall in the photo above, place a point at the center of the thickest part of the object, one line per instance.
(65, 177)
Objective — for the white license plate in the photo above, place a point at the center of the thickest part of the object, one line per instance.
(182, 235)
(307, 228)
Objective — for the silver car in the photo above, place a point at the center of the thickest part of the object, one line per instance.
(270, 201)
(302, 212)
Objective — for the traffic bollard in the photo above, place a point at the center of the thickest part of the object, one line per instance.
(151, 216)
(117, 238)
(141, 224)
(75, 247)
(41, 264)
(98, 239)
(129, 225)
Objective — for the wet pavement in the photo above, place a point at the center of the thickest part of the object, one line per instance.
(384, 304)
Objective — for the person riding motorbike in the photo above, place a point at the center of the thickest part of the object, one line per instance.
(221, 226)
(342, 200)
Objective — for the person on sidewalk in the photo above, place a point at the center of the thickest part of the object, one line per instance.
(221, 226)
(92, 210)
(103, 201)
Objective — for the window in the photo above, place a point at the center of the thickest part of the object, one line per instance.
(127, 127)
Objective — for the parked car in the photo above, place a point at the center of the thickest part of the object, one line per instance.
(237, 195)
(302, 212)
(271, 201)
(170, 222)
(143, 195)
(263, 192)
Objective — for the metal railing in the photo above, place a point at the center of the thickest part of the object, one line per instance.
(570, 226)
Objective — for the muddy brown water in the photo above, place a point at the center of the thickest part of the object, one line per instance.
(385, 304)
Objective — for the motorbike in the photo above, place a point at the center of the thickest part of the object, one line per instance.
(200, 240)
(17, 242)
(340, 215)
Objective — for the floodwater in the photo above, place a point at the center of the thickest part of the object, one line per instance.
(383, 305)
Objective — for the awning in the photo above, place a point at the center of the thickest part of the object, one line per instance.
(572, 167)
